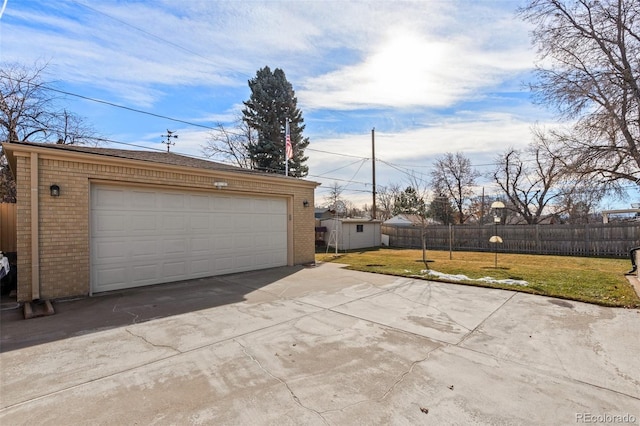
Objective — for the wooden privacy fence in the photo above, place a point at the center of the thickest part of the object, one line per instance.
(605, 240)
(7, 227)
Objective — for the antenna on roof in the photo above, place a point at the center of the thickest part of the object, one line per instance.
(169, 135)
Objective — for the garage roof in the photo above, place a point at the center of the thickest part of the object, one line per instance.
(153, 156)
(161, 157)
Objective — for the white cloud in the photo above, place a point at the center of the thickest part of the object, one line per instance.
(342, 54)
(411, 69)
(472, 133)
(374, 61)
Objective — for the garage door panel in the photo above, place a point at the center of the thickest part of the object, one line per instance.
(200, 246)
(243, 262)
(222, 204)
(223, 244)
(174, 269)
(171, 201)
(262, 241)
(262, 260)
(241, 222)
(225, 265)
(143, 222)
(199, 202)
(109, 275)
(108, 197)
(260, 223)
(110, 221)
(243, 243)
(147, 236)
(143, 248)
(277, 225)
(200, 266)
(144, 273)
(173, 223)
(243, 205)
(174, 246)
(223, 225)
(109, 251)
(144, 200)
(199, 222)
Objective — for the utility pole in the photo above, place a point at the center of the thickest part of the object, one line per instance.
(373, 164)
(169, 135)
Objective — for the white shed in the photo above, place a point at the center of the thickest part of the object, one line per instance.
(350, 234)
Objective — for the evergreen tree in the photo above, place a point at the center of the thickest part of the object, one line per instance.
(272, 102)
(441, 209)
(409, 202)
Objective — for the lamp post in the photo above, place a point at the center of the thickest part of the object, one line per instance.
(497, 207)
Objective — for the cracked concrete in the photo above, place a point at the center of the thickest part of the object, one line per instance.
(293, 395)
(324, 346)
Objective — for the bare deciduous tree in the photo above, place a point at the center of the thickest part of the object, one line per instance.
(580, 201)
(385, 197)
(530, 181)
(231, 144)
(454, 178)
(74, 130)
(25, 107)
(590, 70)
(29, 112)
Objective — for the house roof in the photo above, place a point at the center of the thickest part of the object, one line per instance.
(409, 219)
(157, 157)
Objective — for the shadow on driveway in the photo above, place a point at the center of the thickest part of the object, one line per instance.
(85, 315)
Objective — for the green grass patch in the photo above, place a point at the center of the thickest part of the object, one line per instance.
(592, 280)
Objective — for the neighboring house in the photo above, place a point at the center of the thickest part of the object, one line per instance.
(92, 220)
(350, 234)
(323, 213)
(409, 220)
(634, 214)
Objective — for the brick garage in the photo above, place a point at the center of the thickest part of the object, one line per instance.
(54, 235)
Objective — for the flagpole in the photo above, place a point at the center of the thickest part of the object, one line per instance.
(287, 143)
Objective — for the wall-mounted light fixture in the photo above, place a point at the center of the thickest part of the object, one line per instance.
(220, 185)
(305, 203)
(54, 190)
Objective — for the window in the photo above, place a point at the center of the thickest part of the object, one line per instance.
(359, 228)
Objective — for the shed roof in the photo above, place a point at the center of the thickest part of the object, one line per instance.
(353, 220)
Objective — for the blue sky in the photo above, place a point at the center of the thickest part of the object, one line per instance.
(431, 76)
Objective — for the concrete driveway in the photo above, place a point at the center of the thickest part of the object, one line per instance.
(321, 345)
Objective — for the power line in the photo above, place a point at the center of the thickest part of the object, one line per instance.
(339, 179)
(177, 120)
(339, 168)
(337, 153)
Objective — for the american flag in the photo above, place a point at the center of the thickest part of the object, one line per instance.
(288, 147)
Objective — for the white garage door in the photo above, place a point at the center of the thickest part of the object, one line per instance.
(143, 236)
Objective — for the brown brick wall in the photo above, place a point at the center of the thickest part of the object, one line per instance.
(64, 220)
(23, 226)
